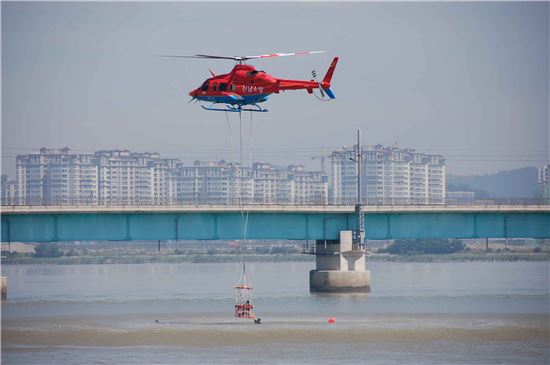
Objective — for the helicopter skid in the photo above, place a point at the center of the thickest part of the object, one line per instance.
(235, 109)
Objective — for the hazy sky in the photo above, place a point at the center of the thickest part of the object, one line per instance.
(469, 81)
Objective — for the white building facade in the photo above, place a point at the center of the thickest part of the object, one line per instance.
(292, 184)
(118, 177)
(544, 180)
(54, 176)
(214, 182)
(389, 175)
(343, 177)
(135, 178)
(9, 191)
(121, 177)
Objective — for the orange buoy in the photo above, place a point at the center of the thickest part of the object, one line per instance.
(332, 320)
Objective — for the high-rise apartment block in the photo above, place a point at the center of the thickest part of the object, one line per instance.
(388, 175)
(544, 180)
(9, 191)
(215, 182)
(544, 174)
(135, 178)
(292, 184)
(55, 176)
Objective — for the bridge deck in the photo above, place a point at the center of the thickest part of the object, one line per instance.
(68, 223)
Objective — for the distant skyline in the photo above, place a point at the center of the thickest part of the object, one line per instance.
(469, 81)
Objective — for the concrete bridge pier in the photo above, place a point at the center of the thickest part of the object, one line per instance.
(3, 288)
(340, 267)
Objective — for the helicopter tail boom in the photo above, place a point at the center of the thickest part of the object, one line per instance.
(283, 84)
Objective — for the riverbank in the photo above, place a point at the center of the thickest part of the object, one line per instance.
(295, 257)
(464, 256)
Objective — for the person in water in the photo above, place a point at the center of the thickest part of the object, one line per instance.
(257, 321)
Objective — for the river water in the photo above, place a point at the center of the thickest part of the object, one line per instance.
(417, 313)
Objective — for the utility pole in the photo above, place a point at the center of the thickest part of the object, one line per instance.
(358, 160)
(359, 238)
(360, 234)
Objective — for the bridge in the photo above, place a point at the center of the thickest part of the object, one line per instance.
(294, 222)
(340, 265)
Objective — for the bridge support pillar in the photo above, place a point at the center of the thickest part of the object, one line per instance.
(340, 267)
(3, 288)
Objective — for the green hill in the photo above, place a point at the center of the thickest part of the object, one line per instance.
(518, 183)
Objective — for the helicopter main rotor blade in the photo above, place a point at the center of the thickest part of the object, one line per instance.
(218, 57)
(282, 54)
(200, 56)
(244, 58)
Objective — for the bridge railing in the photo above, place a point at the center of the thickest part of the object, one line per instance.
(306, 201)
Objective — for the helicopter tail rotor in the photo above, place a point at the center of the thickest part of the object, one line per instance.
(324, 94)
(321, 95)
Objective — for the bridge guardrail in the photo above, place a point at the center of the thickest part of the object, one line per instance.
(309, 201)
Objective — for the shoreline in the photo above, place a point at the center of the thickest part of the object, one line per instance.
(229, 258)
(15, 338)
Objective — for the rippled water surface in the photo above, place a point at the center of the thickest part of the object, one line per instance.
(429, 313)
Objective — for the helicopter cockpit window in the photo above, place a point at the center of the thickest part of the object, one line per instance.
(223, 86)
(204, 86)
(232, 87)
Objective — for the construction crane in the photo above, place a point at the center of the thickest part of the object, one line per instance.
(321, 157)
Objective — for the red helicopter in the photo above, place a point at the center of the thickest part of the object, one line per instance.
(245, 86)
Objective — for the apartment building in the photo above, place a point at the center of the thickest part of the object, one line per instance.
(9, 191)
(215, 182)
(54, 176)
(389, 175)
(544, 180)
